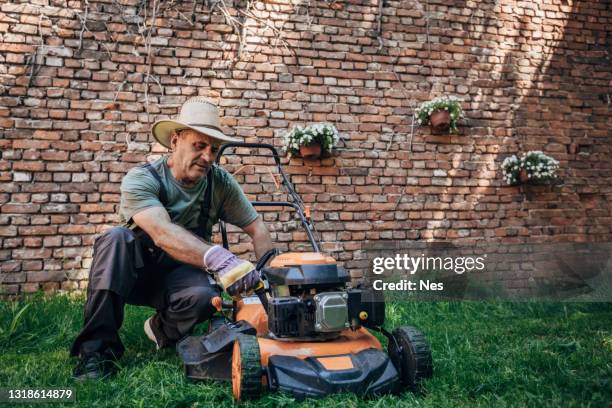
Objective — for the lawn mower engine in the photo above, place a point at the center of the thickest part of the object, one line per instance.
(310, 300)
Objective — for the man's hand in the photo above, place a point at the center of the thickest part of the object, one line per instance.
(234, 274)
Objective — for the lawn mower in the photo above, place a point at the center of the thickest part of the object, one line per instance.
(305, 330)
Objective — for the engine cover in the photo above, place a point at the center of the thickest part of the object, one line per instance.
(311, 269)
(331, 313)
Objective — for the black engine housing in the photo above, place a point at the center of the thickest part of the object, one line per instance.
(290, 316)
(292, 313)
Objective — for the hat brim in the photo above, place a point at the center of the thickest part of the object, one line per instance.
(162, 131)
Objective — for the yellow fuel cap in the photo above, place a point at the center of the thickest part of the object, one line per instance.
(363, 315)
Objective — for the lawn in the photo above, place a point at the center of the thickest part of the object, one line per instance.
(485, 354)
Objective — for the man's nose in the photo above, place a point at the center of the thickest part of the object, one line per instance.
(207, 155)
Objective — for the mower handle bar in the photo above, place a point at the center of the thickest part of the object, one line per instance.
(297, 204)
(268, 146)
(297, 208)
(294, 195)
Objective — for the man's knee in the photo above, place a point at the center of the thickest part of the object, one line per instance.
(203, 298)
(120, 235)
(199, 299)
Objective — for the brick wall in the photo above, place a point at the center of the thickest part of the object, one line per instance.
(75, 78)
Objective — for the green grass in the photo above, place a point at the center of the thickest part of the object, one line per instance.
(485, 354)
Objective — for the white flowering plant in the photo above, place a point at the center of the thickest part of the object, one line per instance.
(324, 134)
(447, 103)
(535, 166)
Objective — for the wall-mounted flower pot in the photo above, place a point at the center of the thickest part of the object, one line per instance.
(533, 187)
(310, 152)
(440, 120)
(531, 191)
(523, 176)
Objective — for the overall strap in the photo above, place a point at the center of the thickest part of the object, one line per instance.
(154, 252)
(163, 196)
(206, 202)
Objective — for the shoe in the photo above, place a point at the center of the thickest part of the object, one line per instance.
(148, 329)
(94, 366)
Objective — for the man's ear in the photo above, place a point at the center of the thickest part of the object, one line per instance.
(174, 137)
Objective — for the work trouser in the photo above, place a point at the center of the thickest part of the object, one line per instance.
(126, 269)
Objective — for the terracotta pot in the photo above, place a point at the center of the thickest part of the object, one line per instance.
(523, 176)
(440, 119)
(311, 152)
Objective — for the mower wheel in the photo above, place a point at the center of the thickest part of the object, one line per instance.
(246, 368)
(411, 356)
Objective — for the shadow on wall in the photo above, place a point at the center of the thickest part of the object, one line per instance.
(565, 113)
(537, 81)
(550, 79)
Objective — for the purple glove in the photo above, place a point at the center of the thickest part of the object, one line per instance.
(234, 274)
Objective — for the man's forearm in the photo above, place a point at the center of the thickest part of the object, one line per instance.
(262, 243)
(183, 246)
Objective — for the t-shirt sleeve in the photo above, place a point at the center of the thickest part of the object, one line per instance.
(139, 191)
(235, 206)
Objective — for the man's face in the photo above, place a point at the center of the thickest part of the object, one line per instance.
(192, 154)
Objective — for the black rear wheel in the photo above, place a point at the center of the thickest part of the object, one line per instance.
(246, 368)
(411, 356)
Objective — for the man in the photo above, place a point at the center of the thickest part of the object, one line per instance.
(161, 256)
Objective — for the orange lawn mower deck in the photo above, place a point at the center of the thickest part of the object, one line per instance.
(305, 331)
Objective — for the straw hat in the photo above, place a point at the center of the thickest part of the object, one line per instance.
(198, 114)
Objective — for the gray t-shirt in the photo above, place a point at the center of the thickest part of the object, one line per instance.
(140, 190)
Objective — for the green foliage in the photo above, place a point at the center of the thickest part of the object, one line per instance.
(17, 310)
(447, 103)
(324, 134)
(485, 354)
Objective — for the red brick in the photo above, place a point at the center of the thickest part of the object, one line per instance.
(96, 208)
(8, 267)
(46, 276)
(31, 253)
(8, 231)
(28, 166)
(32, 242)
(32, 265)
(30, 144)
(10, 208)
(38, 230)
